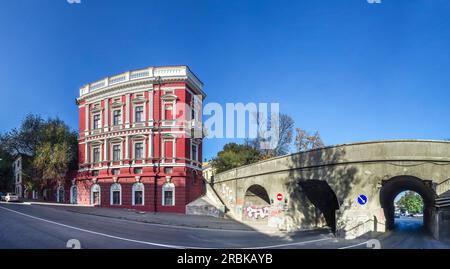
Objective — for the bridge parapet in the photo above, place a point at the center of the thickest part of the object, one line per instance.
(364, 152)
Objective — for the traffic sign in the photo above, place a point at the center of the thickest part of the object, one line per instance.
(362, 199)
(279, 197)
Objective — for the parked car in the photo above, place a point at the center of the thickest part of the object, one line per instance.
(11, 197)
(397, 215)
(418, 215)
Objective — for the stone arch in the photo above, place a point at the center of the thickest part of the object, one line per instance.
(395, 185)
(322, 196)
(256, 204)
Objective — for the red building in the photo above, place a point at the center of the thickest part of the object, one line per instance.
(140, 141)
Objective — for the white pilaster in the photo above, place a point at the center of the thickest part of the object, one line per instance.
(127, 151)
(87, 123)
(105, 150)
(150, 107)
(150, 146)
(86, 153)
(127, 111)
(106, 114)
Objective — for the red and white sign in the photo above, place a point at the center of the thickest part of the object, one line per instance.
(279, 197)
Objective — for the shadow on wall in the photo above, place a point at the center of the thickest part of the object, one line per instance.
(319, 187)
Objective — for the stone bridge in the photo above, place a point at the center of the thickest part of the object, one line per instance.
(320, 187)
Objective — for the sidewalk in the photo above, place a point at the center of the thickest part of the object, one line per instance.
(169, 219)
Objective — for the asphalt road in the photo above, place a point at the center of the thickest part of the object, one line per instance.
(40, 227)
(409, 233)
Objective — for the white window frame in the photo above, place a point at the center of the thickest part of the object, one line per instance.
(168, 187)
(144, 151)
(136, 102)
(112, 117)
(99, 194)
(133, 190)
(99, 152)
(111, 193)
(120, 151)
(194, 158)
(99, 121)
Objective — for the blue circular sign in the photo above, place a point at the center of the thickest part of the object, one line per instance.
(362, 199)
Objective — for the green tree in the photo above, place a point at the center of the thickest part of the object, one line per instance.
(56, 153)
(411, 202)
(25, 139)
(234, 155)
(6, 177)
(49, 146)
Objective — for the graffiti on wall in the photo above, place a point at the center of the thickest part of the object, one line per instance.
(227, 194)
(255, 212)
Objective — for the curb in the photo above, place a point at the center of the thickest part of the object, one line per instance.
(250, 228)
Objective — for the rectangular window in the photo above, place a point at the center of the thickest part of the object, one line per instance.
(117, 117)
(139, 114)
(116, 197)
(116, 153)
(138, 197)
(96, 155)
(168, 197)
(168, 170)
(115, 171)
(95, 173)
(194, 152)
(96, 121)
(138, 151)
(138, 170)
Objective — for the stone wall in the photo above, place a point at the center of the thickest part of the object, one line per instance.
(349, 170)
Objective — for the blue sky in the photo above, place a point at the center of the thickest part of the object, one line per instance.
(353, 71)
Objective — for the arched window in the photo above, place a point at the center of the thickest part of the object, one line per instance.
(95, 195)
(60, 194)
(138, 194)
(116, 194)
(73, 195)
(168, 194)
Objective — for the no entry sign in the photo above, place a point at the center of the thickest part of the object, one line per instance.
(279, 197)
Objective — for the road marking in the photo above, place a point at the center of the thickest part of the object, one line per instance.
(157, 224)
(151, 243)
(291, 244)
(352, 246)
(96, 233)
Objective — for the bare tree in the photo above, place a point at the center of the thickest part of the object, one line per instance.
(305, 141)
(284, 125)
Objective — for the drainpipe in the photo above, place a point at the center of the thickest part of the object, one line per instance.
(158, 169)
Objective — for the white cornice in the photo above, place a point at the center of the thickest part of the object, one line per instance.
(147, 76)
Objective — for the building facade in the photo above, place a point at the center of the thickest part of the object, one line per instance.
(140, 140)
(17, 175)
(208, 171)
